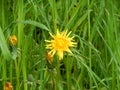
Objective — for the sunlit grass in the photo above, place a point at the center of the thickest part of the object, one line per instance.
(95, 59)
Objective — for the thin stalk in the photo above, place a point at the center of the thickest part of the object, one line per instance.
(17, 75)
(42, 68)
(113, 76)
(24, 73)
(10, 70)
(89, 40)
(58, 75)
(66, 10)
(3, 15)
(54, 15)
(3, 26)
(4, 71)
(68, 73)
(20, 26)
(53, 82)
(20, 40)
(112, 39)
(23, 64)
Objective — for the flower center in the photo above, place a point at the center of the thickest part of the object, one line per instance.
(60, 43)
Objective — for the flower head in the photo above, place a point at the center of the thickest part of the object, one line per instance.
(49, 57)
(13, 40)
(60, 43)
(8, 86)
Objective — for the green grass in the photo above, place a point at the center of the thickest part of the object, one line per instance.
(95, 63)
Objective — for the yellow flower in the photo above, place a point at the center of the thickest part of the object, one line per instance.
(49, 57)
(13, 40)
(8, 86)
(60, 43)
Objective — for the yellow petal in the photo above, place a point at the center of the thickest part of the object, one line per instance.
(69, 33)
(68, 50)
(58, 33)
(60, 54)
(52, 52)
(48, 45)
(8, 86)
(47, 41)
(51, 35)
(64, 33)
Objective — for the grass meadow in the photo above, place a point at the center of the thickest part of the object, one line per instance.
(94, 63)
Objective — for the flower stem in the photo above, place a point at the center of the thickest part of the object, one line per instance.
(89, 52)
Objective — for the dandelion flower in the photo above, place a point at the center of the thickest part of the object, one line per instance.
(8, 86)
(13, 40)
(61, 42)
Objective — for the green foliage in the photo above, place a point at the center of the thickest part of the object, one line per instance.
(95, 62)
